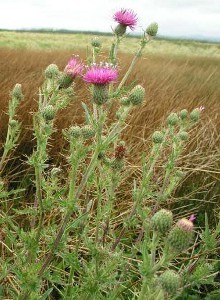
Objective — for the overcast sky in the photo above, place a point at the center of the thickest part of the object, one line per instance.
(187, 18)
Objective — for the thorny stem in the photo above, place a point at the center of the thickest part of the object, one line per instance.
(135, 58)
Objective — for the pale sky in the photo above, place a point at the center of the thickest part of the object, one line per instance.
(188, 18)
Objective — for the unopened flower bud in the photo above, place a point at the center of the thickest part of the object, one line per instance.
(120, 29)
(51, 71)
(17, 92)
(162, 220)
(74, 131)
(172, 119)
(183, 135)
(125, 101)
(195, 115)
(170, 281)
(13, 123)
(48, 112)
(100, 94)
(87, 131)
(65, 81)
(96, 43)
(157, 137)
(136, 95)
(117, 164)
(183, 114)
(152, 29)
(181, 234)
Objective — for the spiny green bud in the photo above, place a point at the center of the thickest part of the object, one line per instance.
(172, 119)
(183, 114)
(65, 81)
(87, 131)
(100, 94)
(17, 92)
(170, 281)
(181, 235)
(195, 115)
(157, 137)
(69, 91)
(117, 164)
(13, 123)
(162, 220)
(51, 71)
(48, 112)
(152, 29)
(120, 29)
(125, 101)
(183, 135)
(96, 43)
(136, 95)
(74, 131)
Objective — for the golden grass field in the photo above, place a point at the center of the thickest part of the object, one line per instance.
(176, 75)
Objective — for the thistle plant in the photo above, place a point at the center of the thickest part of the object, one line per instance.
(74, 242)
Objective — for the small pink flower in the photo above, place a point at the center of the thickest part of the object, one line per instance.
(201, 108)
(74, 67)
(192, 218)
(126, 17)
(101, 74)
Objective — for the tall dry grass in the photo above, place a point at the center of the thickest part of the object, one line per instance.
(171, 84)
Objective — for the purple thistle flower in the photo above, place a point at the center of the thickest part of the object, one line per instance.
(101, 74)
(74, 67)
(126, 17)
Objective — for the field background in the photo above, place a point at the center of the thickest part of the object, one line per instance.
(175, 74)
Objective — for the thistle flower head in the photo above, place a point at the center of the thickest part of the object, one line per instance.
(181, 234)
(120, 150)
(101, 74)
(126, 17)
(74, 67)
